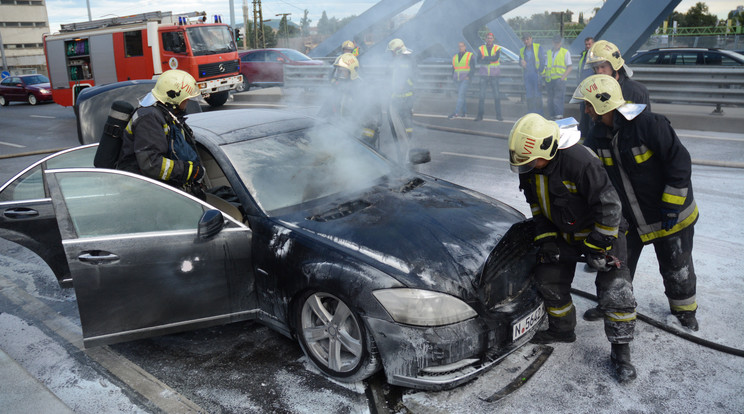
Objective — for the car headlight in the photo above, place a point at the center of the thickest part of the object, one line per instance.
(423, 307)
(45, 91)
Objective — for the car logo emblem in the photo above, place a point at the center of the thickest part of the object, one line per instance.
(222, 67)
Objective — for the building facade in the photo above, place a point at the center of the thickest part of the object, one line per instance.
(22, 25)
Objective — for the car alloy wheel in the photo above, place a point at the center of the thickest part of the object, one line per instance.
(32, 99)
(3, 101)
(335, 339)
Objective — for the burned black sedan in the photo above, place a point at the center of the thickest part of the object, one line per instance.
(367, 264)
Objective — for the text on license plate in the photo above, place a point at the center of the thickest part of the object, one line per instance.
(527, 323)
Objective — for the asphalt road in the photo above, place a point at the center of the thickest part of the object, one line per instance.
(246, 367)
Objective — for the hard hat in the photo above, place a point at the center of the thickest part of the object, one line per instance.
(348, 45)
(532, 137)
(604, 51)
(397, 47)
(348, 62)
(175, 86)
(602, 91)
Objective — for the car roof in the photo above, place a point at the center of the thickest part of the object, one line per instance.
(252, 123)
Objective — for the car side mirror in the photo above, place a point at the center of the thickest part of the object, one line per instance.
(419, 156)
(210, 223)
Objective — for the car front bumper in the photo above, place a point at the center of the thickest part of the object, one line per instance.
(444, 357)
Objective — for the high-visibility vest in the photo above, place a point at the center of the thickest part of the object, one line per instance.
(556, 67)
(494, 49)
(536, 51)
(355, 52)
(462, 65)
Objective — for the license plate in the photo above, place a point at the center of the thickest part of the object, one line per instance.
(529, 322)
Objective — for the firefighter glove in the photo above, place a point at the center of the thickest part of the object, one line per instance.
(548, 252)
(595, 250)
(195, 172)
(668, 218)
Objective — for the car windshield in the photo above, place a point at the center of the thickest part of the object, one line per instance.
(33, 80)
(295, 55)
(210, 40)
(290, 169)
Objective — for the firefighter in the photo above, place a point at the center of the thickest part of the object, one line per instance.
(350, 105)
(604, 59)
(400, 108)
(651, 170)
(576, 211)
(489, 69)
(350, 47)
(157, 142)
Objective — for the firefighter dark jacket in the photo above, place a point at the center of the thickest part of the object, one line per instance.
(152, 153)
(572, 197)
(651, 170)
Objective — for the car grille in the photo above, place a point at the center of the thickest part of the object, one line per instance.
(221, 68)
(507, 269)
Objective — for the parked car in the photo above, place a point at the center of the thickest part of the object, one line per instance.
(368, 264)
(29, 88)
(684, 56)
(265, 67)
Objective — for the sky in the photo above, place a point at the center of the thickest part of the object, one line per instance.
(70, 11)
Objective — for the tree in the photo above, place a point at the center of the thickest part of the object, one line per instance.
(305, 23)
(698, 16)
(324, 24)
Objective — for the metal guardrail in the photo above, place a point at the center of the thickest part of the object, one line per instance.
(717, 86)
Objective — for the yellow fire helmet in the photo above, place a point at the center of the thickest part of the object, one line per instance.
(602, 91)
(348, 62)
(175, 86)
(604, 51)
(348, 45)
(398, 47)
(532, 137)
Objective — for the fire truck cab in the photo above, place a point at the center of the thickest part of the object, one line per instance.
(142, 46)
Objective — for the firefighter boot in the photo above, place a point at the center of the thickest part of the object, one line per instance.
(549, 337)
(687, 319)
(620, 357)
(593, 314)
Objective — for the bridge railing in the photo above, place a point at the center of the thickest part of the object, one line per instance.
(716, 86)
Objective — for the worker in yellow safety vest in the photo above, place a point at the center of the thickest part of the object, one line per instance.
(557, 68)
(462, 73)
(489, 69)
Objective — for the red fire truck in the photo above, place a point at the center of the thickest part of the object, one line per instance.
(142, 46)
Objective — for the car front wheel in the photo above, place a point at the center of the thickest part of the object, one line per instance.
(333, 336)
(3, 101)
(32, 99)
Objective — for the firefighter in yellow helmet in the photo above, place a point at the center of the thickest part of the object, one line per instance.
(576, 211)
(651, 170)
(350, 47)
(604, 58)
(157, 142)
(400, 108)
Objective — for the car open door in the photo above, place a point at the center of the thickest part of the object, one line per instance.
(147, 259)
(26, 214)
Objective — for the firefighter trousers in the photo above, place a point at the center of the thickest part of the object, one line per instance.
(614, 290)
(674, 254)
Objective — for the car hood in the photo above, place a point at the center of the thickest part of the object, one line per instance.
(425, 233)
(38, 86)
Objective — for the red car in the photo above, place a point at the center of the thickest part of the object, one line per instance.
(265, 67)
(29, 88)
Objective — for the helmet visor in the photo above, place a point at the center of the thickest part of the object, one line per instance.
(578, 96)
(524, 168)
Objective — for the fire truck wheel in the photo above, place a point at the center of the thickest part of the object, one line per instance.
(32, 99)
(242, 87)
(217, 99)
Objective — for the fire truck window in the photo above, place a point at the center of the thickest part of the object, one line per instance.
(133, 43)
(174, 42)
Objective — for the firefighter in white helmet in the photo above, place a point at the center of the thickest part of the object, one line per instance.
(157, 142)
(651, 170)
(576, 211)
(400, 108)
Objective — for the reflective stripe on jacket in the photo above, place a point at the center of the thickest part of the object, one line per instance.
(556, 65)
(651, 170)
(572, 197)
(492, 69)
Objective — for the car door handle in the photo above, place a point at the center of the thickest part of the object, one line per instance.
(21, 212)
(97, 257)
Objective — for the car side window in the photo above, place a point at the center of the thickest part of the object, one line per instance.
(272, 56)
(686, 58)
(107, 204)
(255, 57)
(5, 82)
(30, 185)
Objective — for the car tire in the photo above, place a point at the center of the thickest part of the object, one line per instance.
(334, 338)
(32, 99)
(3, 101)
(218, 98)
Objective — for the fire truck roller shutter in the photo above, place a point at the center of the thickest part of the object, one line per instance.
(102, 62)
